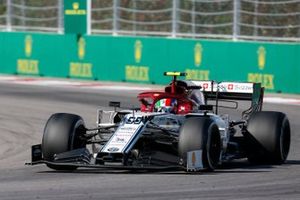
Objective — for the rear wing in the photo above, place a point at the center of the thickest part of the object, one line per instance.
(232, 91)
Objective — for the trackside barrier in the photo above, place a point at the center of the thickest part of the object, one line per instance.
(143, 60)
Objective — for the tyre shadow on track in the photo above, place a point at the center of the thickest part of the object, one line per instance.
(240, 167)
(293, 162)
(236, 167)
(97, 171)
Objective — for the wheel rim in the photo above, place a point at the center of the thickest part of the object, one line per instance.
(285, 140)
(76, 141)
(213, 147)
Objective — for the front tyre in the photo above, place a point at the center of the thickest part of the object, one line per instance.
(201, 133)
(62, 133)
(268, 137)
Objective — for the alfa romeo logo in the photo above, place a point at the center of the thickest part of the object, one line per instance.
(193, 159)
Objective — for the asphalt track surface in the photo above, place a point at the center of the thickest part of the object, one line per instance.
(25, 109)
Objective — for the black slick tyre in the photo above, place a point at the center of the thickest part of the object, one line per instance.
(201, 133)
(61, 134)
(268, 138)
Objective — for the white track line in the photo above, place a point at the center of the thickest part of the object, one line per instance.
(280, 100)
(65, 83)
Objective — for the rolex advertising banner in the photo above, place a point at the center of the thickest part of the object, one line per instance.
(76, 16)
(36, 54)
(143, 60)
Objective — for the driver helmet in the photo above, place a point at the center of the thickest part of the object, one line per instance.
(167, 105)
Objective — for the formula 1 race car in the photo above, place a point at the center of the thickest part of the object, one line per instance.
(178, 128)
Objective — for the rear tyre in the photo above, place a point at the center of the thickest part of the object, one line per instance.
(268, 138)
(61, 134)
(201, 134)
